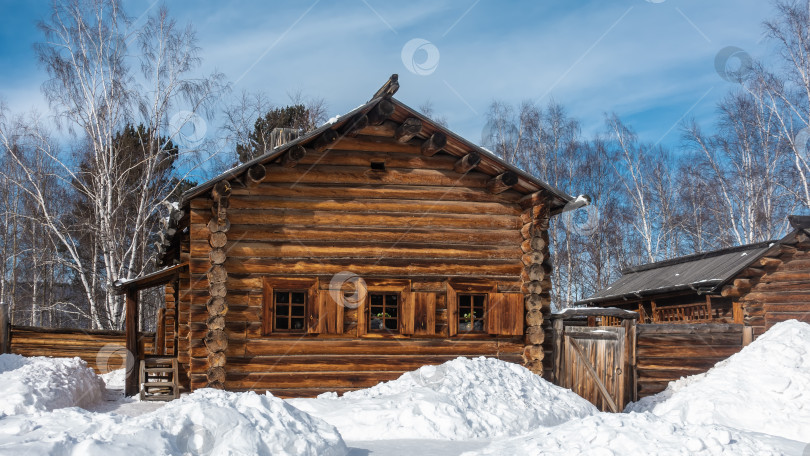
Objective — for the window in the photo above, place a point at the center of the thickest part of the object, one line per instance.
(478, 308)
(383, 315)
(471, 308)
(290, 310)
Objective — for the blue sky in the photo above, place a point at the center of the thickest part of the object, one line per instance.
(650, 61)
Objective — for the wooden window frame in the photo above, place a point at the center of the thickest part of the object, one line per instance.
(289, 316)
(398, 317)
(402, 287)
(482, 319)
(311, 304)
(503, 309)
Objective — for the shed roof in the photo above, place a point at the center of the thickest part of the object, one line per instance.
(704, 271)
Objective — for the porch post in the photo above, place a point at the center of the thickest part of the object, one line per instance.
(133, 356)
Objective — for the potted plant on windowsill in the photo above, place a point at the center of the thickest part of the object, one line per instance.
(378, 320)
(468, 323)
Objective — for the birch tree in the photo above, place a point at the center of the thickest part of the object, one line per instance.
(98, 85)
(786, 91)
(744, 162)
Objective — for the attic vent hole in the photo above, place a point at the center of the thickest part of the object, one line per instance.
(378, 165)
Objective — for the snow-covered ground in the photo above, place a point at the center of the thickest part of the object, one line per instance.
(463, 399)
(764, 388)
(755, 403)
(28, 385)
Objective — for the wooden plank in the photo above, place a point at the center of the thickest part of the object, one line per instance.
(373, 206)
(696, 351)
(332, 363)
(5, 330)
(133, 354)
(375, 267)
(329, 190)
(324, 250)
(594, 376)
(716, 339)
(702, 328)
(309, 379)
(389, 219)
(294, 346)
(359, 175)
(275, 232)
(424, 313)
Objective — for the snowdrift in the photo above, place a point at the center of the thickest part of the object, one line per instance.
(763, 388)
(631, 434)
(35, 384)
(460, 399)
(204, 422)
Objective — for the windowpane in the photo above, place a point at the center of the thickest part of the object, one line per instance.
(297, 324)
(471, 309)
(290, 310)
(383, 312)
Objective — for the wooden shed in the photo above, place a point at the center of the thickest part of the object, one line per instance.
(368, 247)
(757, 285)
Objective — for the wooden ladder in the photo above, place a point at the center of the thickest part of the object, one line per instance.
(158, 379)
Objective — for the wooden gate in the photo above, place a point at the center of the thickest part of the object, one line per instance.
(593, 359)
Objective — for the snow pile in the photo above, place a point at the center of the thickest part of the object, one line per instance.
(204, 422)
(115, 379)
(764, 388)
(460, 399)
(35, 384)
(632, 434)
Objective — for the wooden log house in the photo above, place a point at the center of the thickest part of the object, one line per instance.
(757, 285)
(366, 248)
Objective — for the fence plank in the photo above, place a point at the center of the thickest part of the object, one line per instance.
(594, 376)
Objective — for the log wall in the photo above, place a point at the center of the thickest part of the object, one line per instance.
(777, 288)
(667, 352)
(104, 351)
(419, 221)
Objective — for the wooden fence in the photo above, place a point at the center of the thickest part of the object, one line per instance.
(104, 351)
(655, 354)
(667, 352)
(594, 357)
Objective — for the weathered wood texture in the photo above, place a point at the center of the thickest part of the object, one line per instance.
(667, 352)
(596, 362)
(419, 220)
(104, 351)
(781, 293)
(535, 282)
(291, 367)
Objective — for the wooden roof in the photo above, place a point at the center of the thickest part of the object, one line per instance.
(150, 280)
(456, 145)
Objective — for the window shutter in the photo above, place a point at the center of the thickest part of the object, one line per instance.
(452, 311)
(362, 316)
(424, 311)
(268, 309)
(315, 313)
(407, 313)
(331, 314)
(505, 314)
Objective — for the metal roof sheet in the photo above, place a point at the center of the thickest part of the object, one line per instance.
(706, 270)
